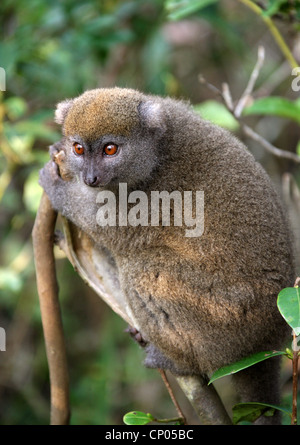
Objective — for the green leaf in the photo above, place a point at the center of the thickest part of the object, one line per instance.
(288, 303)
(253, 410)
(137, 418)
(273, 7)
(244, 363)
(275, 106)
(178, 9)
(217, 113)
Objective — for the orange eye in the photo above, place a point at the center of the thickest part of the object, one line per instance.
(110, 149)
(78, 148)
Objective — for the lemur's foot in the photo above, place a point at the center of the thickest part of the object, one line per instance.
(136, 335)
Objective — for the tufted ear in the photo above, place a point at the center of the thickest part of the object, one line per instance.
(152, 115)
(62, 110)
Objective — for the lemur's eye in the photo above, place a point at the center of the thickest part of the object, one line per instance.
(110, 149)
(78, 148)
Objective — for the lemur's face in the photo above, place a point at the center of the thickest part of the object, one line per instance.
(105, 137)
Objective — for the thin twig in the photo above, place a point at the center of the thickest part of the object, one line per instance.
(173, 398)
(226, 94)
(295, 370)
(227, 99)
(268, 146)
(210, 87)
(297, 282)
(274, 31)
(295, 379)
(250, 86)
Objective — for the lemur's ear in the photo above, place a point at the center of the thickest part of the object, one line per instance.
(152, 115)
(61, 111)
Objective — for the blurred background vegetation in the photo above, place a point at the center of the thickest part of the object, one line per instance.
(58, 49)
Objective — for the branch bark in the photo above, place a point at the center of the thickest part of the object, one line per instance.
(237, 110)
(205, 400)
(43, 237)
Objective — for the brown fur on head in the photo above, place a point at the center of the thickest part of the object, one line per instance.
(98, 112)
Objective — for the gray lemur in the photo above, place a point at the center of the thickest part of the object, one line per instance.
(201, 302)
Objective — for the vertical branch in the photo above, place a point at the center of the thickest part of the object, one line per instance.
(295, 379)
(205, 400)
(42, 236)
(295, 370)
(171, 394)
(251, 83)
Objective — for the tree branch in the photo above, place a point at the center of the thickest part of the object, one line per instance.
(205, 400)
(172, 396)
(295, 379)
(226, 97)
(43, 236)
(268, 146)
(251, 84)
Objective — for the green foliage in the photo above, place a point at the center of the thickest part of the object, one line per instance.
(275, 106)
(288, 303)
(217, 113)
(141, 418)
(47, 42)
(137, 418)
(244, 363)
(251, 411)
(274, 6)
(282, 8)
(179, 9)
